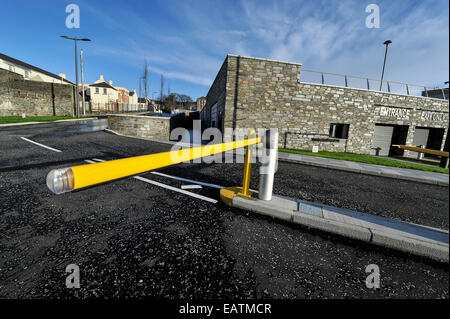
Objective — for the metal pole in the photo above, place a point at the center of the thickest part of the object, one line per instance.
(247, 169)
(76, 79)
(82, 81)
(247, 172)
(384, 63)
(267, 169)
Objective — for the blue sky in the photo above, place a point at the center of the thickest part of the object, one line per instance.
(187, 41)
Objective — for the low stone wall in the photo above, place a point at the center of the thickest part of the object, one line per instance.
(18, 96)
(152, 127)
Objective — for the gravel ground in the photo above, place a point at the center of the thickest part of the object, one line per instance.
(131, 239)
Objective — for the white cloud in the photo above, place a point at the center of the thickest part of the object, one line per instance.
(323, 35)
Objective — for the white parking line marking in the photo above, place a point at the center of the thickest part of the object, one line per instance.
(185, 179)
(143, 179)
(177, 178)
(188, 180)
(191, 186)
(41, 145)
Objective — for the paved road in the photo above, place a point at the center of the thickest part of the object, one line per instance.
(134, 239)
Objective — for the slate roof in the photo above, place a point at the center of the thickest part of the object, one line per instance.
(103, 85)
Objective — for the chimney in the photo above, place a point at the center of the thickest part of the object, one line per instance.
(62, 75)
(110, 82)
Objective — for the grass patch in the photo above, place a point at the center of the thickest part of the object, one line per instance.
(19, 119)
(368, 159)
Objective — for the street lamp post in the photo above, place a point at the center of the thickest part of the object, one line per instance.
(82, 82)
(76, 70)
(387, 42)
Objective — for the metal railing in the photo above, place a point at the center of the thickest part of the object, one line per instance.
(101, 108)
(351, 81)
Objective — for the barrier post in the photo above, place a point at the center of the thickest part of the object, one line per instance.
(267, 169)
(247, 169)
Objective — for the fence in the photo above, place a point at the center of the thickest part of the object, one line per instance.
(116, 107)
(310, 76)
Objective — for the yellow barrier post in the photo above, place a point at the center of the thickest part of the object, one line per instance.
(247, 170)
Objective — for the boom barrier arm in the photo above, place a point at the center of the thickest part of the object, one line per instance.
(67, 179)
(422, 150)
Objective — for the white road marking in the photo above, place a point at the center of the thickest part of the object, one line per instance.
(41, 145)
(143, 179)
(146, 180)
(188, 180)
(185, 179)
(191, 186)
(177, 178)
(90, 162)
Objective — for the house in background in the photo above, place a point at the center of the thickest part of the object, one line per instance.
(102, 92)
(30, 72)
(201, 101)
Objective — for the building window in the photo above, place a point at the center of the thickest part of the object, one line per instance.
(338, 130)
(104, 91)
(26, 74)
(11, 68)
(97, 91)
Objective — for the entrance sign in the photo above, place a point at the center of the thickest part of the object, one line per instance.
(395, 112)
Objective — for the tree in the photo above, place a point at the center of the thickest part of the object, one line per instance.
(173, 101)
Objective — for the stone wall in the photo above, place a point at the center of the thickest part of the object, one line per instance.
(34, 98)
(263, 93)
(152, 127)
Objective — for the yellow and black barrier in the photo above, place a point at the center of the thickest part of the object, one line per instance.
(76, 177)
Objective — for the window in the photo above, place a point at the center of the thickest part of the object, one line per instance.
(97, 91)
(26, 74)
(11, 68)
(104, 91)
(338, 130)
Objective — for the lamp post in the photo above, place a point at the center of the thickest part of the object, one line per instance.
(76, 70)
(82, 82)
(387, 42)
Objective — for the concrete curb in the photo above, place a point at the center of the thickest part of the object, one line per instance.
(368, 172)
(407, 237)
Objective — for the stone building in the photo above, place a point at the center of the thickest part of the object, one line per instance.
(260, 93)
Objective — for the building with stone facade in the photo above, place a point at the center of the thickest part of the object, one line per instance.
(260, 93)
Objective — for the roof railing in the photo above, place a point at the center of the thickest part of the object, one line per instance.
(352, 81)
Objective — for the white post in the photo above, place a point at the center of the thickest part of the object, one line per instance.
(269, 165)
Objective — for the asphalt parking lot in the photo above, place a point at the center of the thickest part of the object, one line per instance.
(135, 239)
